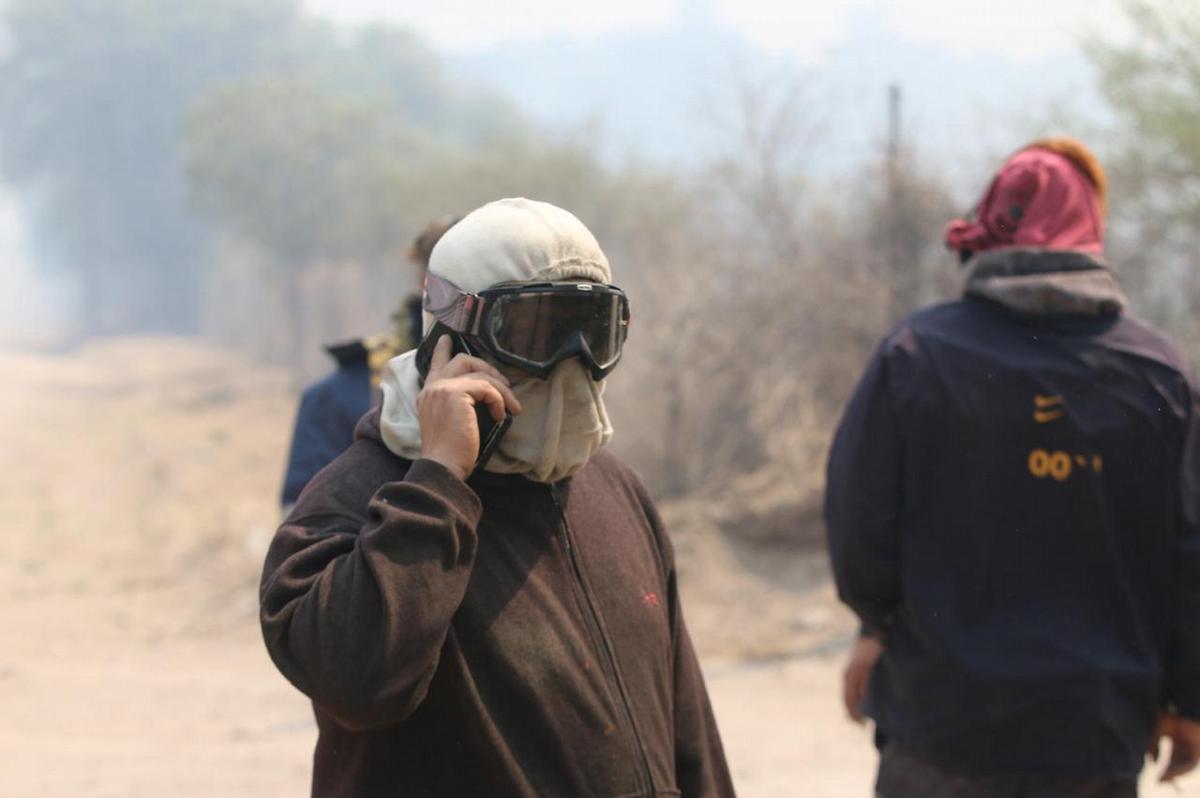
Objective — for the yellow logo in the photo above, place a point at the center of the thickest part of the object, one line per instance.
(1060, 465)
(1047, 408)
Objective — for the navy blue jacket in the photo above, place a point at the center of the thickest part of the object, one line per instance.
(1013, 500)
(329, 410)
(331, 407)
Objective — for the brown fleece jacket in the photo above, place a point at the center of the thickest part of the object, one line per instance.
(497, 637)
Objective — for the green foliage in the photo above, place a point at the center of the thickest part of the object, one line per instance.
(395, 69)
(92, 93)
(121, 117)
(312, 172)
(1152, 83)
(297, 170)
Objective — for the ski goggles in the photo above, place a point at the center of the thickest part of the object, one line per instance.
(536, 326)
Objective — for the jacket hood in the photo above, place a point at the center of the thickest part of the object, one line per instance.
(1045, 282)
(368, 427)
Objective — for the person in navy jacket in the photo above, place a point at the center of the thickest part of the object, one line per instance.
(1013, 511)
(330, 407)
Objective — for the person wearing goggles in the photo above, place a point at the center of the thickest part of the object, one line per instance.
(506, 625)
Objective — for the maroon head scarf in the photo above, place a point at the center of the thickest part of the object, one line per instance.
(1039, 198)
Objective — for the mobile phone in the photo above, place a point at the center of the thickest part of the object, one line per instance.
(490, 430)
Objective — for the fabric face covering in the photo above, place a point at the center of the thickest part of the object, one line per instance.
(564, 420)
(564, 423)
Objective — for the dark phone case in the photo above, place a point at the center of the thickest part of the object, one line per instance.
(490, 430)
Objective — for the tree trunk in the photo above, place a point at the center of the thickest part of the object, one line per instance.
(293, 299)
(674, 472)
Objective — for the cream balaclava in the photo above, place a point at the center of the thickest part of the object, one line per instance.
(564, 421)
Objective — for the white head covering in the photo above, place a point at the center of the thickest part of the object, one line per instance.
(564, 421)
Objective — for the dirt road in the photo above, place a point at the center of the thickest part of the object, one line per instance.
(137, 501)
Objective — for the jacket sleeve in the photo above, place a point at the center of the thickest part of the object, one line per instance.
(700, 767)
(361, 583)
(863, 498)
(1183, 662)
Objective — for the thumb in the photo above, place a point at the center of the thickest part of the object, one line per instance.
(1183, 759)
(1185, 753)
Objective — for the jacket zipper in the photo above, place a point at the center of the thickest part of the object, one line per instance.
(605, 644)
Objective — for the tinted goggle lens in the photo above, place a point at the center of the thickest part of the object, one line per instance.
(544, 327)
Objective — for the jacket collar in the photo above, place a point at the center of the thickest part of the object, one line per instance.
(1044, 282)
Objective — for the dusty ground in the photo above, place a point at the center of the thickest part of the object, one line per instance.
(136, 503)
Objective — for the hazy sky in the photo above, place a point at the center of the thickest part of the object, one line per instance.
(1019, 29)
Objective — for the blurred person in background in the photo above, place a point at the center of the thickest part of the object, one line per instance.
(330, 407)
(510, 627)
(1013, 510)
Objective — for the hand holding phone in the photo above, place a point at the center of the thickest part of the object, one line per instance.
(465, 405)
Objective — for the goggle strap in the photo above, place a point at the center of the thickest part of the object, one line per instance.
(474, 306)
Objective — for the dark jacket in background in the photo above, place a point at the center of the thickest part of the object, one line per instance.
(329, 410)
(331, 407)
(1013, 498)
(497, 637)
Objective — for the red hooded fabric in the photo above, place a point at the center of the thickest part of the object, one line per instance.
(1037, 199)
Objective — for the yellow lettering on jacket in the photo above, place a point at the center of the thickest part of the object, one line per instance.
(1060, 465)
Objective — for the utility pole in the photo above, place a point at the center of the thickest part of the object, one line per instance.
(893, 140)
(898, 272)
